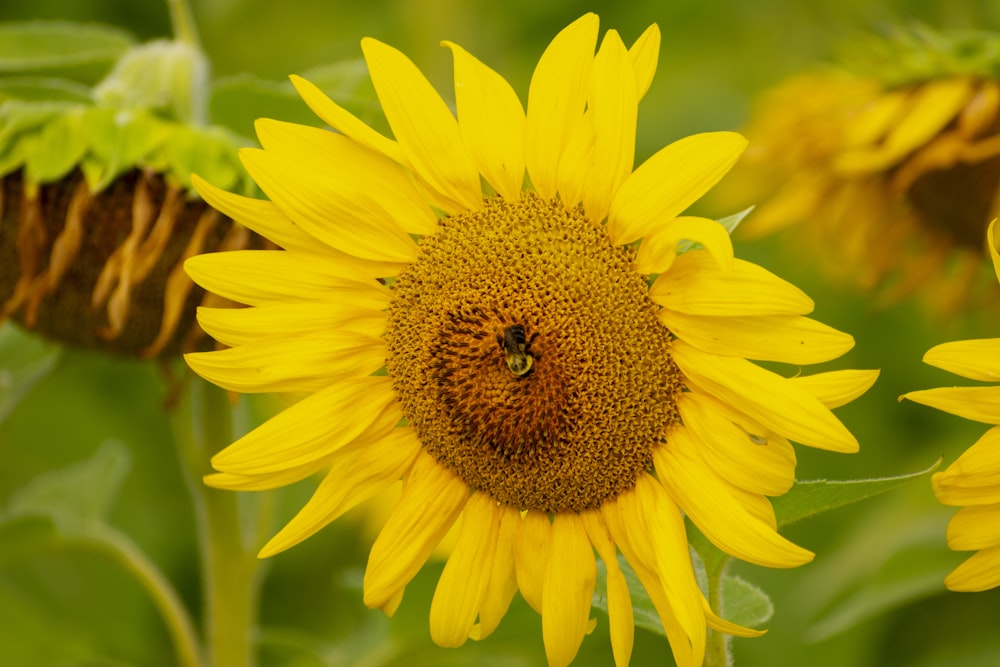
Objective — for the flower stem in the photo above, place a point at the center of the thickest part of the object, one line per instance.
(718, 646)
(182, 21)
(203, 425)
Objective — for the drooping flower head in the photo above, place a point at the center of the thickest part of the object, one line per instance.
(890, 165)
(972, 482)
(471, 308)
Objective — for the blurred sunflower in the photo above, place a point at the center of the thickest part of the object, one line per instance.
(972, 482)
(891, 165)
(510, 351)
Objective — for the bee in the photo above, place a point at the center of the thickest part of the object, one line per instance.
(516, 346)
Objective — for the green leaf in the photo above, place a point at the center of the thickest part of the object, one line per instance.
(76, 498)
(75, 50)
(745, 603)
(808, 498)
(25, 360)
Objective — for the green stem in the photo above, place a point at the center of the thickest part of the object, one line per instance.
(182, 20)
(203, 425)
(175, 615)
(717, 647)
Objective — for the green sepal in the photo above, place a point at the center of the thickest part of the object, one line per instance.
(57, 147)
(730, 222)
(808, 498)
(119, 140)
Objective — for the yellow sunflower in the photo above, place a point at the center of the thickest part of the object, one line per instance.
(469, 308)
(972, 482)
(895, 174)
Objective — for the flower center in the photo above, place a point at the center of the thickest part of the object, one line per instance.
(526, 352)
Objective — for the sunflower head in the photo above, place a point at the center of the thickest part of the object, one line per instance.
(493, 307)
(891, 165)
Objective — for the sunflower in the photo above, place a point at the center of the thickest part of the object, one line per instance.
(972, 482)
(468, 309)
(893, 170)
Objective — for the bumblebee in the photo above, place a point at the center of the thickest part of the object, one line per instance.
(517, 349)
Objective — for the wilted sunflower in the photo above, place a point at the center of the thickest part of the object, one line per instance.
(892, 168)
(499, 347)
(972, 482)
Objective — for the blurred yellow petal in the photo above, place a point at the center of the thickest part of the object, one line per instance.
(556, 97)
(568, 589)
(670, 181)
(432, 499)
(491, 121)
(466, 575)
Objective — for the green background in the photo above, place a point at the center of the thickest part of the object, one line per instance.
(873, 596)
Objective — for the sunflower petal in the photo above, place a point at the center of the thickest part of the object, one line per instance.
(835, 388)
(531, 548)
(466, 575)
(974, 478)
(695, 285)
(432, 499)
(613, 107)
(556, 98)
(659, 249)
(424, 126)
(621, 617)
(235, 326)
(644, 54)
(305, 193)
(707, 501)
(264, 277)
(981, 404)
(354, 478)
(485, 102)
(973, 359)
(568, 589)
(670, 181)
(314, 428)
(766, 397)
(344, 122)
(979, 573)
(503, 580)
(974, 528)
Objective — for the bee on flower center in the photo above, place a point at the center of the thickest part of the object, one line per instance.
(516, 346)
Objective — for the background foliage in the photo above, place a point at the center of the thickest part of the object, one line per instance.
(874, 595)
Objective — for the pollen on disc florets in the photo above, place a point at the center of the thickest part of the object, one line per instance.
(579, 426)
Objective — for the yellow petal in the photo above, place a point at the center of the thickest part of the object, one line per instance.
(765, 396)
(503, 580)
(491, 121)
(466, 575)
(981, 404)
(835, 388)
(314, 428)
(659, 248)
(871, 124)
(670, 181)
(353, 478)
(979, 573)
(264, 277)
(644, 54)
(556, 98)
(370, 186)
(432, 499)
(621, 617)
(708, 502)
(531, 548)
(423, 124)
(974, 478)
(303, 190)
(695, 285)
(735, 454)
(568, 589)
(235, 326)
(975, 527)
(790, 339)
(273, 480)
(628, 529)
(315, 360)
(973, 359)
(730, 628)
(795, 200)
(930, 108)
(344, 122)
(613, 107)
(993, 241)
